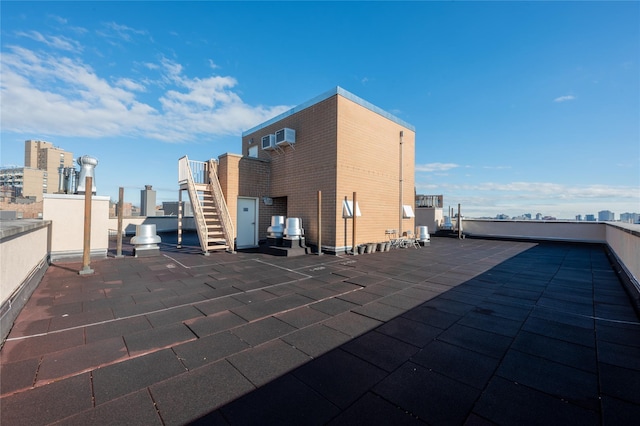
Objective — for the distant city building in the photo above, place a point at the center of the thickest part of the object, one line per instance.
(589, 218)
(23, 182)
(606, 215)
(45, 156)
(39, 174)
(502, 217)
(549, 218)
(579, 217)
(171, 208)
(527, 216)
(630, 217)
(127, 209)
(538, 216)
(147, 201)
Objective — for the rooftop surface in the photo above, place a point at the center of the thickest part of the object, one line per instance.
(462, 331)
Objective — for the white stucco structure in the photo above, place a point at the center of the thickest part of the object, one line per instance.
(66, 213)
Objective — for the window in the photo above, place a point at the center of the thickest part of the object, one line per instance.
(253, 151)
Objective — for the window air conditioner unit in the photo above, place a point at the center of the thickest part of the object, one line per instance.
(269, 142)
(286, 136)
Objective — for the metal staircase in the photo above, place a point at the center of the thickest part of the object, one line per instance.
(213, 222)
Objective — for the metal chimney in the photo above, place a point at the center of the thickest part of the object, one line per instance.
(87, 169)
(68, 180)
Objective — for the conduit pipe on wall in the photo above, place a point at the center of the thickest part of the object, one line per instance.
(319, 223)
(354, 249)
(401, 183)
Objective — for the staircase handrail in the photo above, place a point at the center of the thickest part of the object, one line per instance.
(221, 205)
(185, 173)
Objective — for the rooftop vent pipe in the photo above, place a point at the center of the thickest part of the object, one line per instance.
(146, 241)
(277, 227)
(88, 165)
(422, 233)
(294, 230)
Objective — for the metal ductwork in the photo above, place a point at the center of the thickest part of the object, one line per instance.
(67, 180)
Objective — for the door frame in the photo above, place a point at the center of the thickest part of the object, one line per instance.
(256, 205)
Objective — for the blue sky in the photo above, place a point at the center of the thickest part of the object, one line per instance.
(519, 107)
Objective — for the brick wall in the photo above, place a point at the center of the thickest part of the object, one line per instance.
(249, 177)
(341, 147)
(369, 164)
(300, 171)
(27, 211)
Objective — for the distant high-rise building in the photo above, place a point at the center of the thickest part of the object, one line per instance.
(606, 215)
(579, 217)
(589, 218)
(44, 156)
(147, 201)
(538, 216)
(630, 217)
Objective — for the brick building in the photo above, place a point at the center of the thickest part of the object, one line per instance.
(25, 182)
(45, 156)
(338, 144)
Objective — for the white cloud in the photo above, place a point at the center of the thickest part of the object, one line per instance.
(57, 42)
(130, 85)
(63, 96)
(496, 167)
(435, 167)
(564, 98)
(58, 19)
(118, 31)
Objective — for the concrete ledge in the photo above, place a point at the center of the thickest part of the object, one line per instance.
(11, 228)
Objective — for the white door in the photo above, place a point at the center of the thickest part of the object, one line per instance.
(247, 223)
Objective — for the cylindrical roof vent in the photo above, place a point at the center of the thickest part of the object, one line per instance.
(276, 229)
(422, 233)
(88, 165)
(294, 230)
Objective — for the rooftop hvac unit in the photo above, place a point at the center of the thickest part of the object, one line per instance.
(286, 136)
(269, 142)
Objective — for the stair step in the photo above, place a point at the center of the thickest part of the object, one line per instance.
(215, 238)
(218, 247)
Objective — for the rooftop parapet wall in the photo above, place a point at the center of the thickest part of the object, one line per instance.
(624, 241)
(23, 256)
(589, 232)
